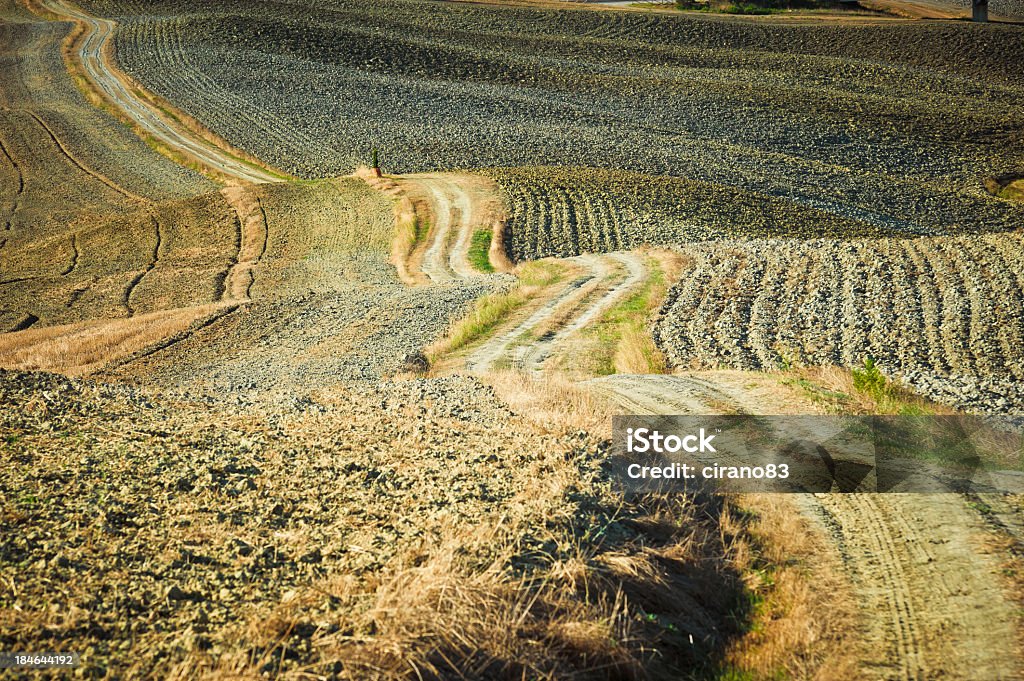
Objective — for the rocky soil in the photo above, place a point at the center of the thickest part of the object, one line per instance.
(942, 313)
(325, 303)
(894, 124)
(568, 211)
(160, 534)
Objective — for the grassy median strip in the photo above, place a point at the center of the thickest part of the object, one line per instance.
(479, 251)
(624, 343)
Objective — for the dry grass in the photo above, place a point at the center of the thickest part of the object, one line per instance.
(801, 617)
(407, 226)
(561, 580)
(78, 349)
(803, 614)
(492, 310)
(617, 611)
(636, 353)
(555, 405)
(835, 390)
(621, 342)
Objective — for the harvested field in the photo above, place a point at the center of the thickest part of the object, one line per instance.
(61, 160)
(358, 533)
(891, 123)
(111, 254)
(94, 224)
(944, 314)
(272, 480)
(324, 303)
(168, 255)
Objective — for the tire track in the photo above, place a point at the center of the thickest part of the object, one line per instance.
(74, 257)
(127, 302)
(220, 290)
(487, 355)
(452, 228)
(91, 54)
(542, 349)
(658, 394)
(931, 606)
(78, 164)
(252, 235)
(436, 259)
(19, 191)
(458, 259)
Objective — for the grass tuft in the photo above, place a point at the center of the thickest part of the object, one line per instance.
(624, 342)
(480, 250)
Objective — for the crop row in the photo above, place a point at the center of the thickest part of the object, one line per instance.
(891, 124)
(945, 312)
(569, 211)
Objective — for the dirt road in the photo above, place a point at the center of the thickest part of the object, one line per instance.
(454, 220)
(929, 593)
(527, 346)
(92, 50)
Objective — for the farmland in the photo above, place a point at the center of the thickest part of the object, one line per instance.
(346, 426)
(943, 312)
(617, 130)
(895, 126)
(66, 198)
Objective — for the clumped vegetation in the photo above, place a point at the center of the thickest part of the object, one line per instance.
(623, 342)
(480, 250)
(491, 310)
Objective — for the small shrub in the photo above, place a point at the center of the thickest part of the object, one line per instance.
(870, 380)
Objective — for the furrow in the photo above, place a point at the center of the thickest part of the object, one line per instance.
(127, 302)
(73, 265)
(78, 164)
(924, 283)
(19, 190)
(954, 325)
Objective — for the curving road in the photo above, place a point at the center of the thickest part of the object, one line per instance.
(578, 303)
(103, 75)
(933, 607)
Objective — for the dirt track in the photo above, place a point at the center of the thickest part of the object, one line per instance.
(931, 588)
(443, 259)
(92, 51)
(929, 593)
